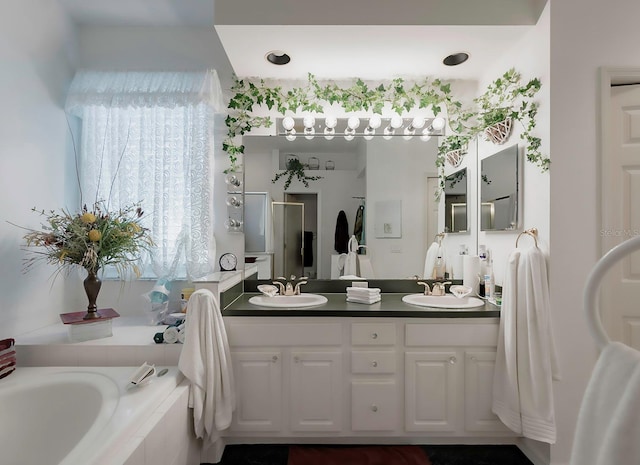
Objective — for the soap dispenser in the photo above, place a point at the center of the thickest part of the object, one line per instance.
(439, 267)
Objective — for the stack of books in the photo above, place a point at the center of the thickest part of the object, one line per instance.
(363, 295)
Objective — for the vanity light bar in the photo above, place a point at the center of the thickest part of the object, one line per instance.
(368, 128)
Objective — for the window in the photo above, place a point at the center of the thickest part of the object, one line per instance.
(148, 138)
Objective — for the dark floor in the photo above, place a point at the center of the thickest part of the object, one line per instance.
(438, 455)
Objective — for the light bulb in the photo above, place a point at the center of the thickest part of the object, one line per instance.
(309, 121)
(330, 122)
(291, 136)
(438, 124)
(417, 122)
(375, 121)
(395, 122)
(349, 133)
(309, 133)
(368, 133)
(353, 122)
(408, 132)
(329, 133)
(388, 133)
(425, 135)
(234, 201)
(348, 136)
(288, 123)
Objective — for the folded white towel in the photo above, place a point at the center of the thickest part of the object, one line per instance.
(361, 300)
(526, 359)
(608, 430)
(363, 290)
(206, 361)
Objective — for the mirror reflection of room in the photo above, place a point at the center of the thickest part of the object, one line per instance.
(455, 202)
(499, 191)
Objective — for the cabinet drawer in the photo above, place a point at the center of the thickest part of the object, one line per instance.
(383, 362)
(463, 334)
(374, 405)
(285, 334)
(373, 334)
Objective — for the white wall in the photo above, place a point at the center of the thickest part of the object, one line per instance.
(585, 35)
(399, 171)
(36, 52)
(530, 57)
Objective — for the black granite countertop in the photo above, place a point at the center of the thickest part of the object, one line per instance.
(391, 305)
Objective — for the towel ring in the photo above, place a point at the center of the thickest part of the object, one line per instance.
(593, 284)
(533, 232)
(439, 237)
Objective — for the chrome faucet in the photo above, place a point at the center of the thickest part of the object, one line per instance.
(438, 288)
(288, 288)
(427, 289)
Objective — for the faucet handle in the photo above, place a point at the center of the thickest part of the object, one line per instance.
(438, 288)
(427, 291)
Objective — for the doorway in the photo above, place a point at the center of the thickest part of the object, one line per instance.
(310, 243)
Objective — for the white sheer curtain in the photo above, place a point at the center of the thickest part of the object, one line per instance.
(148, 138)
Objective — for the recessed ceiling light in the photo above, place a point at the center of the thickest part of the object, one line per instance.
(277, 57)
(456, 59)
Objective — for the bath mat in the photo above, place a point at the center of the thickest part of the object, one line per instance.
(357, 455)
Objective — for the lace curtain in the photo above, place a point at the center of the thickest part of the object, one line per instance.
(148, 137)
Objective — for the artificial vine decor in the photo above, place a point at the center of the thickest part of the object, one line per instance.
(504, 98)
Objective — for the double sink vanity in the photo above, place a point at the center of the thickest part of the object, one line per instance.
(325, 370)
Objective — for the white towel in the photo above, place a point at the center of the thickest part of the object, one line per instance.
(608, 429)
(364, 300)
(526, 359)
(366, 291)
(206, 361)
(430, 260)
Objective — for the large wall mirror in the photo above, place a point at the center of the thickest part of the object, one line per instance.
(499, 194)
(357, 177)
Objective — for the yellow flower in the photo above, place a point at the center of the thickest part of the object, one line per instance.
(95, 235)
(88, 218)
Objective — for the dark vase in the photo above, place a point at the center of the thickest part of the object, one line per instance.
(92, 286)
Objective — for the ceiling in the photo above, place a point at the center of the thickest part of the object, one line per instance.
(371, 39)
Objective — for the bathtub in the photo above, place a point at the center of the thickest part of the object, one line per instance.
(74, 415)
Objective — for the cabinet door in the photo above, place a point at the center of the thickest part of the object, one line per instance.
(258, 381)
(478, 393)
(316, 391)
(431, 384)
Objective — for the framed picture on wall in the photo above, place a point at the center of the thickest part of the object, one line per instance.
(388, 219)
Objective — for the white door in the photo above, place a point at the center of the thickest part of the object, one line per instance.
(620, 181)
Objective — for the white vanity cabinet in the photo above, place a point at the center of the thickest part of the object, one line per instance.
(336, 378)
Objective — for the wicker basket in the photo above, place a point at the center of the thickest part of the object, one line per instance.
(454, 157)
(498, 133)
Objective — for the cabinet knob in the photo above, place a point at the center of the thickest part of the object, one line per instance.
(374, 335)
(374, 363)
(274, 358)
(374, 408)
(452, 360)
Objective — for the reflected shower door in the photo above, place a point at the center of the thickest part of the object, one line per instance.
(288, 223)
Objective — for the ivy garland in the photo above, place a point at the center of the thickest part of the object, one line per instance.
(504, 96)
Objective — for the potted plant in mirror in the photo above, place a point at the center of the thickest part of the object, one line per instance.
(90, 239)
(295, 168)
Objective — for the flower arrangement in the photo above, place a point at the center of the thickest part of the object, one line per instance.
(92, 238)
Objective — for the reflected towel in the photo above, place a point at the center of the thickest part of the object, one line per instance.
(608, 430)
(430, 260)
(206, 361)
(525, 359)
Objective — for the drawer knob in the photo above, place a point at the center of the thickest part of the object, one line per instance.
(274, 358)
(374, 363)
(452, 360)
(374, 335)
(374, 408)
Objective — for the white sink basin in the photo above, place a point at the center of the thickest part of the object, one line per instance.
(442, 301)
(289, 301)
